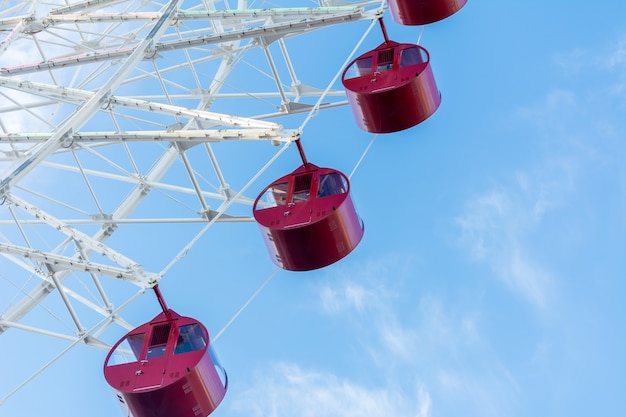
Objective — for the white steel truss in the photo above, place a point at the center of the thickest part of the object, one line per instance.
(108, 105)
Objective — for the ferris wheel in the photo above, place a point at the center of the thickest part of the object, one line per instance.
(119, 115)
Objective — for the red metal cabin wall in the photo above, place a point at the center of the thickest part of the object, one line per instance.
(197, 393)
(169, 373)
(397, 108)
(413, 12)
(318, 244)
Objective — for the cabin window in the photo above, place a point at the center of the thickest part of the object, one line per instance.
(331, 184)
(128, 350)
(191, 338)
(158, 341)
(218, 367)
(385, 60)
(302, 188)
(412, 56)
(275, 195)
(360, 67)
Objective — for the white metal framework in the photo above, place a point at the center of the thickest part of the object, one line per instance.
(110, 111)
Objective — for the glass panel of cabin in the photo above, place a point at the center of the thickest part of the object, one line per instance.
(331, 184)
(360, 67)
(218, 366)
(128, 350)
(412, 56)
(275, 195)
(192, 337)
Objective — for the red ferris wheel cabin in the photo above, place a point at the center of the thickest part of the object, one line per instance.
(307, 218)
(166, 368)
(415, 13)
(391, 88)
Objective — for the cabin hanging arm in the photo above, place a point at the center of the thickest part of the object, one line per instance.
(301, 151)
(384, 29)
(161, 300)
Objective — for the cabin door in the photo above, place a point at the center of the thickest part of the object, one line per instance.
(154, 362)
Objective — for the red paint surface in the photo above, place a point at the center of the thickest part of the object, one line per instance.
(185, 384)
(311, 234)
(413, 12)
(395, 99)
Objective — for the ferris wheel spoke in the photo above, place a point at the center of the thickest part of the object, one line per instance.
(84, 240)
(84, 5)
(116, 114)
(87, 110)
(83, 338)
(127, 206)
(269, 32)
(79, 97)
(55, 263)
(221, 210)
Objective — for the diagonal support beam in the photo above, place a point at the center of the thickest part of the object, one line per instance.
(56, 263)
(79, 96)
(83, 240)
(42, 290)
(84, 113)
(190, 136)
(270, 32)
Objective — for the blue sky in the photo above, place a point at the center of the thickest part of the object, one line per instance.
(491, 279)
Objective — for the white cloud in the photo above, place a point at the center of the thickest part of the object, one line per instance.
(287, 390)
(617, 62)
(525, 275)
(426, 343)
(434, 348)
(446, 329)
(363, 287)
(495, 228)
(573, 134)
(490, 393)
(617, 58)
(572, 62)
(606, 56)
(424, 401)
(398, 342)
(395, 327)
(348, 295)
(556, 108)
(605, 61)
(500, 227)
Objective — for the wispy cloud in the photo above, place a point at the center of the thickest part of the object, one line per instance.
(490, 393)
(288, 390)
(617, 62)
(396, 326)
(349, 295)
(557, 107)
(617, 57)
(494, 228)
(576, 134)
(365, 287)
(608, 60)
(420, 349)
(397, 340)
(502, 225)
(424, 401)
(364, 294)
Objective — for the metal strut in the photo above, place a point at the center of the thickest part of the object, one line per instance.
(159, 297)
(302, 155)
(382, 27)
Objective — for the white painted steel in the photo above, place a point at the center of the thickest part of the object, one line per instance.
(122, 92)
